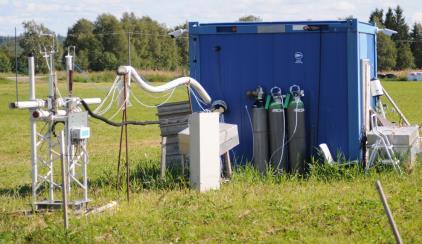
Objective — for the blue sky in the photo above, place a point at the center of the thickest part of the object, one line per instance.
(58, 15)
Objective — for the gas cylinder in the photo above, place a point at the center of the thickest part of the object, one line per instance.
(296, 131)
(260, 130)
(277, 121)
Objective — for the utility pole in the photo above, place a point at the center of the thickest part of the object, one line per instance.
(128, 48)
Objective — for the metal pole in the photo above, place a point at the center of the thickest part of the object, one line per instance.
(84, 169)
(50, 164)
(396, 107)
(33, 125)
(388, 212)
(128, 45)
(16, 67)
(64, 179)
(126, 136)
(120, 154)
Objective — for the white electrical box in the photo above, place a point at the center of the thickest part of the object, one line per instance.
(80, 133)
(204, 151)
(376, 88)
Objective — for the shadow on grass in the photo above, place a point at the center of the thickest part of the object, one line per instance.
(20, 191)
(145, 175)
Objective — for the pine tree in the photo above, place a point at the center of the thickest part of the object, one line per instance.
(377, 17)
(390, 20)
(395, 21)
(416, 46)
(387, 52)
(400, 25)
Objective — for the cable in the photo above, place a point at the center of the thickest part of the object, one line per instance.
(315, 140)
(53, 127)
(124, 103)
(106, 109)
(250, 123)
(153, 106)
(288, 141)
(116, 124)
(198, 101)
(112, 89)
(284, 133)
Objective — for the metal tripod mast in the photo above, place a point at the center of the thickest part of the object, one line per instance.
(47, 149)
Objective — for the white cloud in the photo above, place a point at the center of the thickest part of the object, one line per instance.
(58, 15)
(417, 17)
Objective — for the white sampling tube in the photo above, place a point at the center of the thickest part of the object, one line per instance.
(37, 103)
(168, 86)
(94, 100)
(31, 74)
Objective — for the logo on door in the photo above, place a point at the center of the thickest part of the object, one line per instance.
(298, 57)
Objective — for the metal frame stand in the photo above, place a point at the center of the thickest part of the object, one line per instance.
(49, 150)
(382, 144)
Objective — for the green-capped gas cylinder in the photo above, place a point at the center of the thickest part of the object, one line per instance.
(278, 137)
(296, 131)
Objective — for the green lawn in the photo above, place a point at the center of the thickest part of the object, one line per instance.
(326, 207)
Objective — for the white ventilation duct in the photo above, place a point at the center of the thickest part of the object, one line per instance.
(168, 86)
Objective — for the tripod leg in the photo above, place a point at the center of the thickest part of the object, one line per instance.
(120, 153)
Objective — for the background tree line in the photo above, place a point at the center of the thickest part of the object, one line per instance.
(101, 45)
(402, 50)
(105, 43)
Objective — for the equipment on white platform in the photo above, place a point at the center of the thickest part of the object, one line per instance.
(71, 149)
(228, 139)
(204, 155)
(383, 145)
(404, 140)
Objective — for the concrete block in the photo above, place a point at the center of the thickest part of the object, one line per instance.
(205, 168)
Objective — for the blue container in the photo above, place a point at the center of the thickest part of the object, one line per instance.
(322, 57)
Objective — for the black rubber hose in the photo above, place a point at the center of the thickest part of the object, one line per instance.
(116, 124)
(53, 128)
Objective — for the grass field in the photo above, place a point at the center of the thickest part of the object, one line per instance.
(331, 205)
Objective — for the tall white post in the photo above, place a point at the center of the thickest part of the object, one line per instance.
(204, 151)
(33, 125)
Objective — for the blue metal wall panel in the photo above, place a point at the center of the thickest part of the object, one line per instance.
(229, 64)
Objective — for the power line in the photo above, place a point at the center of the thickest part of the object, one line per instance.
(126, 33)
